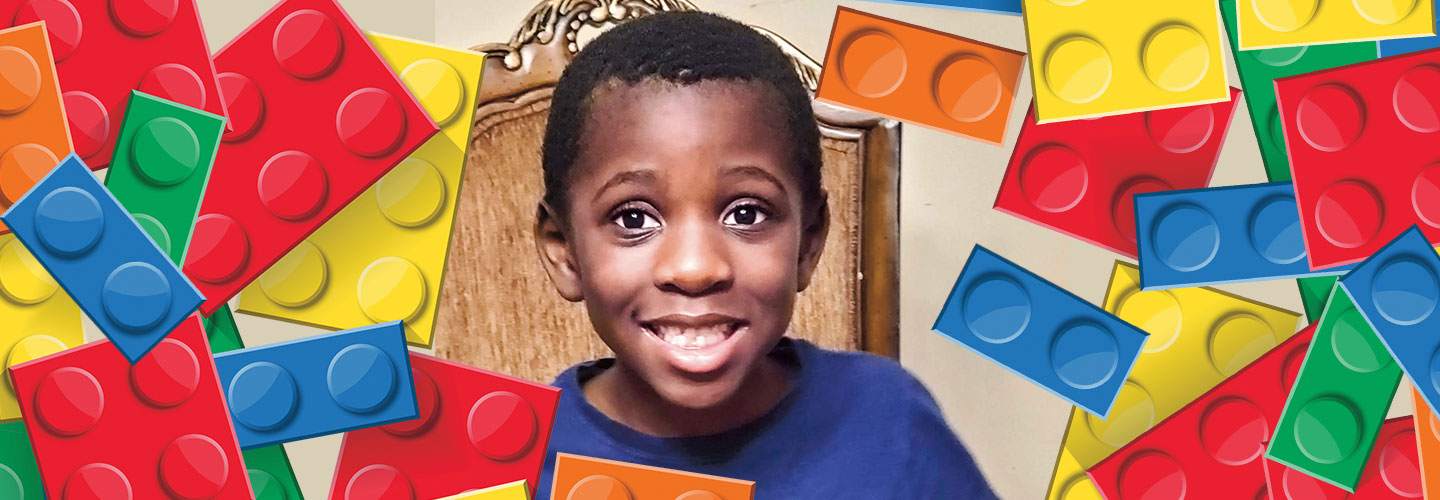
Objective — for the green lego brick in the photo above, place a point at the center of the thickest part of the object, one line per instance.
(1339, 399)
(19, 475)
(1313, 294)
(1258, 71)
(160, 167)
(224, 335)
(271, 476)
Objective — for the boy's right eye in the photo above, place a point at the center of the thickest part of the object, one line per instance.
(634, 219)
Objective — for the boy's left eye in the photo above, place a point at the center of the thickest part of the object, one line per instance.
(745, 215)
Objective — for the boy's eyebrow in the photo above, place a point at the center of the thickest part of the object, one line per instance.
(639, 176)
(754, 171)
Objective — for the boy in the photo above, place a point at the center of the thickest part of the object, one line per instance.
(683, 205)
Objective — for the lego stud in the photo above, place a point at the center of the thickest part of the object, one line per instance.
(21, 168)
(307, 44)
(218, 249)
(298, 278)
(19, 80)
(390, 289)
(1415, 98)
(194, 467)
(62, 22)
(1181, 130)
(698, 495)
(1084, 355)
(361, 378)
(174, 82)
(143, 17)
(1175, 57)
(244, 104)
(1151, 475)
(1384, 12)
(22, 279)
(1157, 312)
(262, 396)
(98, 481)
(1297, 485)
(69, 401)
(1400, 464)
(377, 482)
(167, 375)
(427, 399)
(292, 185)
(1080, 487)
(89, 122)
(266, 486)
(1355, 345)
(1348, 213)
(1054, 178)
(136, 296)
(501, 426)
(438, 87)
(10, 485)
(599, 487)
(1132, 415)
(968, 88)
(1285, 15)
(1237, 340)
(1077, 69)
(1233, 431)
(1122, 207)
(412, 194)
(997, 309)
(370, 122)
(69, 221)
(872, 64)
(1327, 430)
(1185, 237)
(1278, 57)
(1424, 194)
(1275, 230)
(155, 230)
(31, 347)
(1404, 291)
(1330, 117)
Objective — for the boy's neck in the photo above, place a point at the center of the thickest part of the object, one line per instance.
(622, 395)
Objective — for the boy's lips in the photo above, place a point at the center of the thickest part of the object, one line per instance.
(695, 344)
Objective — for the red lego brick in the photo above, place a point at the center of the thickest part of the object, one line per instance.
(476, 429)
(1221, 434)
(316, 117)
(102, 428)
(1079, 177)
(1353, 136)
(106, 48)
(1392, 473)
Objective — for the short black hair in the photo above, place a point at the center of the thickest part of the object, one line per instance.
(682, 48)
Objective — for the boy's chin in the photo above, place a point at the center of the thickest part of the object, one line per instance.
(695, 395)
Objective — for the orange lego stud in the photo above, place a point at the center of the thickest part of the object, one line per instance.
(585, 478)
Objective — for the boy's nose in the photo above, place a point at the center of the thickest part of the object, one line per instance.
(692, 260)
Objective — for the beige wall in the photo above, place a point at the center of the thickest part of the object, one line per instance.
(1012, 427)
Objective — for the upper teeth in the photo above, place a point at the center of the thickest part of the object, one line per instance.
(692, 337)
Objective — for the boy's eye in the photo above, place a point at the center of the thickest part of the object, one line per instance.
(636, 219)
(745, 215)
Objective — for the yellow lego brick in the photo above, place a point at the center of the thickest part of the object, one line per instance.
(383, 257)
(39, 318)
(1198, 338)
(1282, 23)
(1093, 59)
(507, 491)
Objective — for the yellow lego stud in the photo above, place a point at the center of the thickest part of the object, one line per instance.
(1198, 338)
(39, 318)
(1093, 59)
(383, 257)
(507, 491)
(1282, 23)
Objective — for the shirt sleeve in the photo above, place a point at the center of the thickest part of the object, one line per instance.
(940, 465)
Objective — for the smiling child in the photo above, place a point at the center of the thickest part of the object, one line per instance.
(683, 205)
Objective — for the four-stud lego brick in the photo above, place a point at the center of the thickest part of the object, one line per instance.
(1393, 471)
(39, 317)
(1397, 290)
(585, 478)
(1280, 23)
(316, 118)
(919, 75)
(83, 237)
(383, 257)
(476, 429)
(33, 133)
(1092, 59)
(1039, 331)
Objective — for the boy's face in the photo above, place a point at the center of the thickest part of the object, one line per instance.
(687, 234)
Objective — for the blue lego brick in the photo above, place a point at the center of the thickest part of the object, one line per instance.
(314, 386)
(1213, 236)
(1397, 289)
(102, 258)
(1008, 7)
(1040, 332)
(1406, 45)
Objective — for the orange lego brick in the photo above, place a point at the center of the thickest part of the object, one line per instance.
(33, 132)
(1427, 437)
(586, 478)
(919, 75)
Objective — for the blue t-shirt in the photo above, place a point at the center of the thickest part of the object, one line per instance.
(853, 425)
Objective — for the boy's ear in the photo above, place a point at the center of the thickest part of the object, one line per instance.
(812, 239)
(556, 255)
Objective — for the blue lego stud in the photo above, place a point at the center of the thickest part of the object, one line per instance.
(1040, 332)
(101, 257)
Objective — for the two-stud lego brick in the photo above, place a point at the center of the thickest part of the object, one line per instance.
(83, 237)
(1397, 290)
(40, 318)
(919, 75)
(1334, 411)
(1280, 23)
(1079, 178)
(33, 133)
(19, 475)
(325, 384)
(1198, 336)
(162, 161)
(103, 50)
(585, 478)
(508, 491)
(1092, 59)
(1427, 428)
(1212, 447)
(383, 257)
(1039, 331)
(103, 428)
(1393, 471)
(476, 429)
(316, 118)
(1363, 114)
(1010, 7)
(1219, 235)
